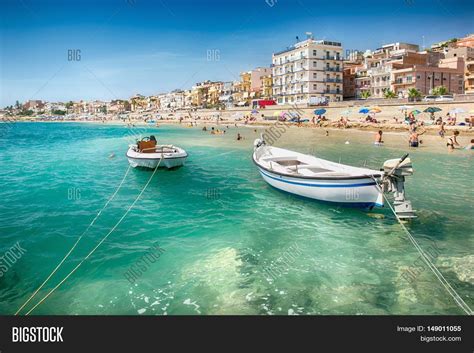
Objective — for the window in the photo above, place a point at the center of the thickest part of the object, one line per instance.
(315, 75)
(315, 86)
(314, 52)
(315, 63)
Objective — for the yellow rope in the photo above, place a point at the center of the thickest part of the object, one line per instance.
(75, 244)
(100, 243)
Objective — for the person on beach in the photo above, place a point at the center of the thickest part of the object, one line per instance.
(442, 131)
(378, 137)
(327, 133)
(204, 128)
(414, 140)
(452, 142)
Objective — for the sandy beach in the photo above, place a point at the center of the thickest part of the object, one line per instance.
(266, 117)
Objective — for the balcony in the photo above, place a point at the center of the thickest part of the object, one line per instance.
(330, 57)
(333, 69)
(333, 91)
(334, 80)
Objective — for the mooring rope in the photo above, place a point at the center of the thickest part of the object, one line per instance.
(76, 243)
(100, 243)
(457, 298)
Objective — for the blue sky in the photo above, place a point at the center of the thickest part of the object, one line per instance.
(148, 47)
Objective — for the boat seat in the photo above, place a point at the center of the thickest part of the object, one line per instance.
(146, 146)
(312, 168)
(277, 159)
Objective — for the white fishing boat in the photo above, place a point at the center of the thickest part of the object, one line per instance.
(147, 154)
(323, 180)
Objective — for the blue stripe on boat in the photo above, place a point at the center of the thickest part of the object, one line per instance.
(320, 185)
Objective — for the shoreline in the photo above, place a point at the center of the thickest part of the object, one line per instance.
(328, 125)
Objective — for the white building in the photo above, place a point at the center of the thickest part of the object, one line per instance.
(173, 100)
(307, 71)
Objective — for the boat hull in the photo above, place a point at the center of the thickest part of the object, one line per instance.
(357, 192)
(152, 160)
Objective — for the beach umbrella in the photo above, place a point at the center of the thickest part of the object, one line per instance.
(375, 110)
(432, 110)
(346, 112)
(364, 110)
(320, 111)
(415, 112)
(405, 107)
(457, 111)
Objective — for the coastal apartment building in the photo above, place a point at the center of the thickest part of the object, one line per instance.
(307, 71)
(469, 77)
(380, 65)
(362, 81)
(467, 53)
(449, 73)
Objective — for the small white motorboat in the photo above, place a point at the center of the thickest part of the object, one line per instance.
(147, 154)
(320, 179)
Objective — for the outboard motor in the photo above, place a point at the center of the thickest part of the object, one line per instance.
(395, 171)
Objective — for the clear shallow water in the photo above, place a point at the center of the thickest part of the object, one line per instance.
(222, 227)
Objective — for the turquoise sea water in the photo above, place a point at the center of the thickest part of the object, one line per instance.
(222, 228)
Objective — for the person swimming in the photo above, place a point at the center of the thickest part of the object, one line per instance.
(470, 146)
(239, 137)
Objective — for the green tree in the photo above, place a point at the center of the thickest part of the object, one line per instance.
(69, 104)
(389, 94)
(440, 90)
(413, 94)
(365, 94)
